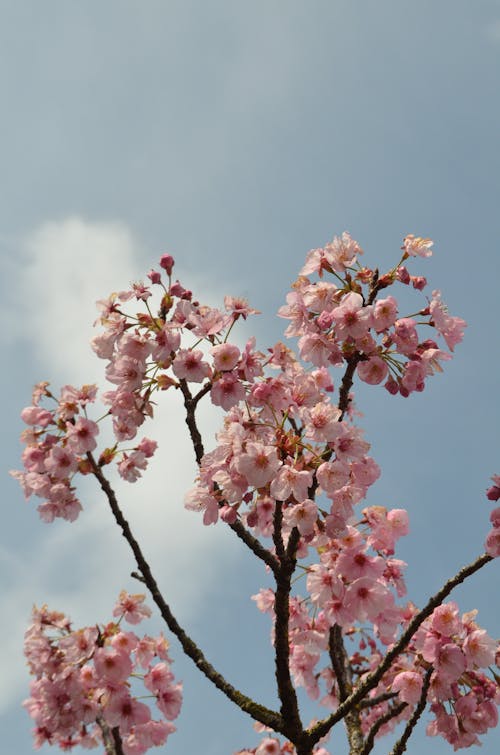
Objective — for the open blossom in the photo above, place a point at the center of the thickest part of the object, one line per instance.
(417, 247)
(258, 464)
(189, 364)
(409, 686)
(131, 607)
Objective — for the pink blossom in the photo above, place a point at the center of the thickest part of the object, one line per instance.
(169, 701)
(112, 665)
(225, 356)
(406, 336)
(258, 464)
(189, 365)
(366, 598)
(480, 649)
(384, 314)
(372, 371)
(451, 328)
(322, 422)
(416, 246)
(130, 468)
(409, 686)
(351, 318)
(303, 516)
(35, 415)
(332, 475)
(291, 481)
(131, 607)
(227, 391)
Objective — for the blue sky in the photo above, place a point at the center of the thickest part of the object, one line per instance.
(236, 137)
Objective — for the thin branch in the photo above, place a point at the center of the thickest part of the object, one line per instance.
(371, 701)
(370, 739)
(371, 681)
(256, 711)
(400, 745)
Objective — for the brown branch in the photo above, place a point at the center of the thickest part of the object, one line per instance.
(286, 691)
(371, 701)
(256, 711)
(343, 673)
(371, 681)
(370, 739)
(400, 745)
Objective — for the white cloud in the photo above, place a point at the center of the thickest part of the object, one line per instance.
(80, 567)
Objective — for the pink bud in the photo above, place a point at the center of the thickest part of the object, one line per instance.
(403, 275)
(154, 277)
(167, 263)
(418, 282)
(493, 493)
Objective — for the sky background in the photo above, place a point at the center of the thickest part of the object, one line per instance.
(237, 136)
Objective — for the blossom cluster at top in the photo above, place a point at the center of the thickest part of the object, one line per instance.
(82, 689)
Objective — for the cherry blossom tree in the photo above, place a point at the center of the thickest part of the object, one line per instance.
(288, 474)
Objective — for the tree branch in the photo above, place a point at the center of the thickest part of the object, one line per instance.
(256, 711)
(286, 691)
(342, 668)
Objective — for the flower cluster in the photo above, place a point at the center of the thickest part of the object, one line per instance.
(82, 692)
(58, 442)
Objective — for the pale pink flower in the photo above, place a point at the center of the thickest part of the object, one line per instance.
(125, 711)
(415, 246)
(409, 686)
(225, 356)
(384, 313)
(158, 678)
(405, 336)
(131, 607)
(258, 464)
(351, 318)
(111, 665)
(268, 746)
(451, 328)
(480, 649)
(322, 422)
(372, 371)
(35, 415)
(303, 516)
(227, 391)
(445, 619)
(81, 435)
(290, 481)
(189, 365)
(450, 662)
(492, 544)
(342, 252)
(169, 701)
(332, 475)
(61, 462)
(366, 598)
(131, 467)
